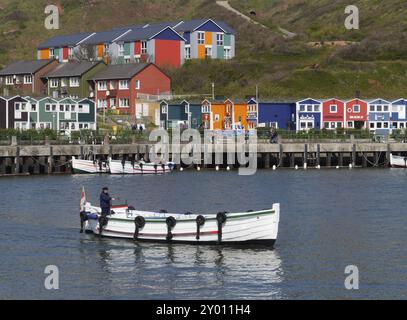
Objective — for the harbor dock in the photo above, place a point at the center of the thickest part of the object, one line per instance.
(55, 159)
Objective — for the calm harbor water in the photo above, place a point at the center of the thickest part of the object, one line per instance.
(330, 219)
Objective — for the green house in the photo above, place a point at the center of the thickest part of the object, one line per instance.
(70, 79)
(65, 115)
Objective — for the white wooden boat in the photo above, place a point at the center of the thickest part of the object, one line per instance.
(120, 167)
(254, 227)
(89, 166)
(398, 162)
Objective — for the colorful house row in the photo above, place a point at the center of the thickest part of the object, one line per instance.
(166, 44)
(66, 115)
(227, 115)
(112, 86)
(378, 115)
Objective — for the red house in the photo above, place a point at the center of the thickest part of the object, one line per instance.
(118, 86)
(333, 114)
(356, 114)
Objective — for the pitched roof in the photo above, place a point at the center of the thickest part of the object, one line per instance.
(105, 36)
(121, 71)
(145, 33)
(192, 25)
(24, 67)
(72, 69)
(65, 40)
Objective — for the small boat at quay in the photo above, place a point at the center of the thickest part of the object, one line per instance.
(398, 162)
(253, 227)
(121, 167)
(89, 166)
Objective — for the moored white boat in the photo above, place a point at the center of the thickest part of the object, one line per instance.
(89, 166)
(257, 227)
(398, 162)
(120, 167)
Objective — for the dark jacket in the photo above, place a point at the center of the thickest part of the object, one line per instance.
(105, 200)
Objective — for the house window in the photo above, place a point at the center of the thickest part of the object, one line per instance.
(33, 107)
(219, 39)
(226, 53)
(379, 108)
(385, 125)
(356, 108)
(164, 109)
(54, 83)
(121, 49)
(201, 37)
(379, 125)
(372, 126)
(208, 52)
(62, 108)
(64, 82)
(51, 53)
(302, 108)
(316, 108)
(339, 125)
(54, 108)
(123, 84)
(143, 47)
(206, 109)
(106, 49)
(70, 53)
(28, 79)
(74, 82)
(9, 80)
(187, 52)
(48, 107)
(333, 108)
(309, 108)
(102, 103)
(350, 124)
(385, 108)
(326, 125)
(124, 102)
(372, 108)
(138, 84)
(102, 85)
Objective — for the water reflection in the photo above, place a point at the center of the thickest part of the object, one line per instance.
(160, 270)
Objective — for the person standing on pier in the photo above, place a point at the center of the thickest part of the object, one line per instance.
(105, 202)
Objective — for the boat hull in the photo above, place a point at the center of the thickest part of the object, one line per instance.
(398, 162)
(257, 228)
(89, 167)
(118, 167)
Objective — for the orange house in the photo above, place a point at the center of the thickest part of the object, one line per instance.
(240, 114)
(220, 114)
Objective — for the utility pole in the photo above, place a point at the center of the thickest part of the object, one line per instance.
(213, 90)
(257, 92)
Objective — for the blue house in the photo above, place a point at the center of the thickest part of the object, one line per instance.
(174, 115)
(379, 114)
(398, 114)
(280, 115)
(308, 114)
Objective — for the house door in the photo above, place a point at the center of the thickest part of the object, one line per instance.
(359, 125)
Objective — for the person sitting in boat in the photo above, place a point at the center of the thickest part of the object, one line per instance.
(105, 201)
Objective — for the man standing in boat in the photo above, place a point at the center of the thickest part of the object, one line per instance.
(105, 202)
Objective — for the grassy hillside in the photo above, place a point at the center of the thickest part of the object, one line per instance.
(283, 68)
